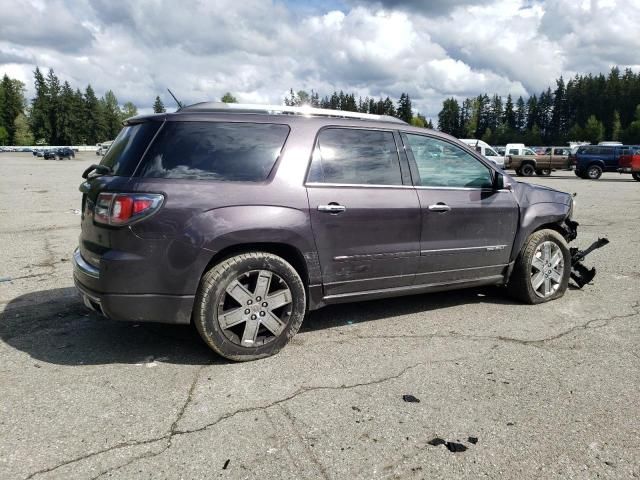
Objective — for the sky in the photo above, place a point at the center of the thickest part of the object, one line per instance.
(259, 49)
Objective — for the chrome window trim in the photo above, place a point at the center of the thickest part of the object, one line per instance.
(355, 185)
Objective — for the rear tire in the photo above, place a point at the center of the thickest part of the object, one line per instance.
(535, 279)
(545, 172)
(527, 170)
(232, 311)
(594, 172)
(636, 176)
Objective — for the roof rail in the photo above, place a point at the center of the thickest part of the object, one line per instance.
(219, 107)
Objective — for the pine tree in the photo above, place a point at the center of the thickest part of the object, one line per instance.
(594, 130)
(53, 106)
(616, 128)
(404, 111)
(158, 106)
(111, 114)
(94, 130)
(449, 117)
(39, 118)
(11, 105)
(128, 110)
(509, 114)
(227, 98)
(521, 115)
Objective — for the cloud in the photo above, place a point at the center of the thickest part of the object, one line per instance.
(258, 49)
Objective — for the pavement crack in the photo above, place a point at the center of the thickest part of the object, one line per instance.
(297, 393)
(535, 342)
(168, 437)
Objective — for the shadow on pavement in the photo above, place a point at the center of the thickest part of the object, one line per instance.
(62, 331)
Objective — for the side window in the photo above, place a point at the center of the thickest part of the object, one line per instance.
(442, 164)
(215, 151)
(355, 156)
(514, 151)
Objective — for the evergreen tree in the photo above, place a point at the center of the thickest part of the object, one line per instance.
(594, 130)
(23, 135)
(53, 106)
(509, 114)
(39, 118)
(111, 114)
(521, 115)
(11, 105)
(404, 111)
(449, 117)
(227, 98)
(158, 106)
(94, 130)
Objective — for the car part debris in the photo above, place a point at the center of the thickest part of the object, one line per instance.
(580, 274)
(410, 399)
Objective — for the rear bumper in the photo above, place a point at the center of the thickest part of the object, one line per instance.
(129, 307)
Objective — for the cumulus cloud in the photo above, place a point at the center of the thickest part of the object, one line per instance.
(258, 49)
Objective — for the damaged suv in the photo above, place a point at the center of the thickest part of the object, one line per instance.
(242, 218)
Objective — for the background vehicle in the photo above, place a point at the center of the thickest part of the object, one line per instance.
(542, 164)
(629, 162)
(103, 147)
(592, 160)
(483, 148)
(59, 153)
(352, 207)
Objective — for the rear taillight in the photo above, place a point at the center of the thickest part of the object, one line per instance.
(123, 208)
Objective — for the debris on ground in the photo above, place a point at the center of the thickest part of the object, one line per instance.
(455, 447)
(473, 440)
(436, 441)
(5, 279)
(226, 464)
(410, 399)
(580, 274)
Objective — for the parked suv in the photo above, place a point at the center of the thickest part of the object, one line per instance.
(592, 160)
(243, 218)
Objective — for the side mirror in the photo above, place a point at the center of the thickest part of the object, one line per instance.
(502, 183)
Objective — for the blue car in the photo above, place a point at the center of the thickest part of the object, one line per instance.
(592, 160)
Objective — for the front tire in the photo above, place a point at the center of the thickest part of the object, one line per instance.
(542, 269)
(636, 176)
(249, 306)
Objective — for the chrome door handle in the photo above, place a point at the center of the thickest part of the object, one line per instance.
(332, 208)
(439, 207)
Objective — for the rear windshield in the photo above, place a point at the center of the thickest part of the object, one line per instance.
(128, 147)
(215, 151)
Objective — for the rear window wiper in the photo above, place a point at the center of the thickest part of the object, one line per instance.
(99, 169)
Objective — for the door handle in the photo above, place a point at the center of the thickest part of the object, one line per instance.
(333, 208)
(439, 207)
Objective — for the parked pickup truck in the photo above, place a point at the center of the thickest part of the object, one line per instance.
(630, 163)
(554, 158)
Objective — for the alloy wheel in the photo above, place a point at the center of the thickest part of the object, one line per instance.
(547, 269)
(255, 308)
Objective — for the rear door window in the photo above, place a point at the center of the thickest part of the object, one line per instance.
(215, 151)
(442, 164)
(126, 150)
(355, 156)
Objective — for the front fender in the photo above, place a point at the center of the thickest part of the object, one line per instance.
(535, 216)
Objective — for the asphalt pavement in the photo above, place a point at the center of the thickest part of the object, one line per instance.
(492, 388)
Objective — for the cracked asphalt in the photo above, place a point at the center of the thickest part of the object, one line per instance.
(549, 391)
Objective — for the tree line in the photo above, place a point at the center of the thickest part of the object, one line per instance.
(58, 114)
(347, 102)
(585, 108)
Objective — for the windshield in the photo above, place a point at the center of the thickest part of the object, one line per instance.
(124, 154)
(490, 153)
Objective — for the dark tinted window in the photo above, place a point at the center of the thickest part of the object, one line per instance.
(215, 151)
(128, 147)
(355, 156)
(442, 164)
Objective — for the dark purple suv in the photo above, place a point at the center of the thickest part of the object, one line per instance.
(241, 219)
